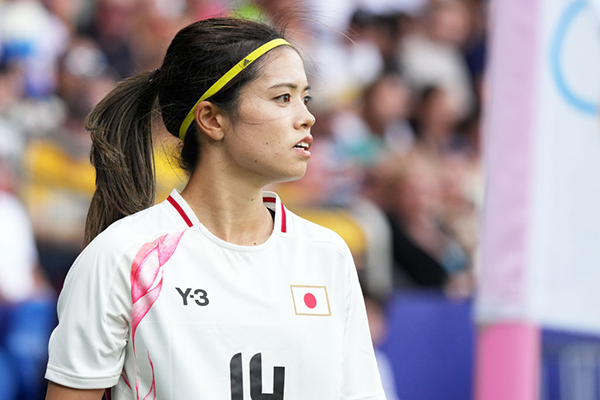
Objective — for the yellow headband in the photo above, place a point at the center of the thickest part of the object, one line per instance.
(229, 75)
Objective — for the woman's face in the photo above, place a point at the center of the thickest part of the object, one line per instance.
(269, 141)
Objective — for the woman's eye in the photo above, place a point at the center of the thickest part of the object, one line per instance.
(307, 100)
(286, 98)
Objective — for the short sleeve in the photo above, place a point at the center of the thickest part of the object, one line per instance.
(360, 378)
(87, 348)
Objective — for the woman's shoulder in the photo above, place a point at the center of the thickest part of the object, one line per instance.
(133, 231)
(307, 230)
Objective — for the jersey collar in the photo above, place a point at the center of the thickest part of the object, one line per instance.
(270, 200)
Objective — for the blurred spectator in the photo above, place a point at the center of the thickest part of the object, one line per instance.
(157, 21)
(112, 28)
(387, 34)
(435, 119)
(364, 134)
(409, 189)
(74, 14)
(432, 55)
(33, 39)
(380, 126)
(344, 64)
(83, 65)
(32, 117)
(460, 185)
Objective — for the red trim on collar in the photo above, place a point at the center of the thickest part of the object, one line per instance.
(283, 217)
(189, 223)
(175, 204)
(283, 220)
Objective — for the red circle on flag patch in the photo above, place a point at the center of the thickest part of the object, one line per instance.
(310, 300)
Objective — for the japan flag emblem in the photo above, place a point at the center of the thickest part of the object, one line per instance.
(310, 300)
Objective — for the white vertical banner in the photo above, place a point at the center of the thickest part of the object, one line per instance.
(541, 225)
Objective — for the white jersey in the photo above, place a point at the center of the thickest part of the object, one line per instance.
(157, 307)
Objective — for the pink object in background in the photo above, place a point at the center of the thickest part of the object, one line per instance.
(508, 354)
(508, 362)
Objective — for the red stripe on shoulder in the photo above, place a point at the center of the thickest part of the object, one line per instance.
(175, 204)
(283, 220)
(268, 200)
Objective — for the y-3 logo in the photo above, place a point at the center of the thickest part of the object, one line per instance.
(256, 389)
(200, 296)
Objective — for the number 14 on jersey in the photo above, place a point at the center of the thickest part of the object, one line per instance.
(256, 389)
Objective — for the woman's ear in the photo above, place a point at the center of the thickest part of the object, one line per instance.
(211, 120)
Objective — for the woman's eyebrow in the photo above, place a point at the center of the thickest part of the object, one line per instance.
(289, 85)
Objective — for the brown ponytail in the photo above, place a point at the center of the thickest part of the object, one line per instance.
(121, 130)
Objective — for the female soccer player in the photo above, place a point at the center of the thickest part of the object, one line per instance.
(219, 292)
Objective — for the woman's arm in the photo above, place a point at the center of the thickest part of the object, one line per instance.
(59, 392)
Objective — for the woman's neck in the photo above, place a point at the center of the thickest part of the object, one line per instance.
(230, 208)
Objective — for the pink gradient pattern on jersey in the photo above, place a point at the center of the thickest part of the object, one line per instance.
(146, 285)
(152, 391)
(125, 379)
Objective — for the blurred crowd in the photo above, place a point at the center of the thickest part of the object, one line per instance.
(396, 166)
